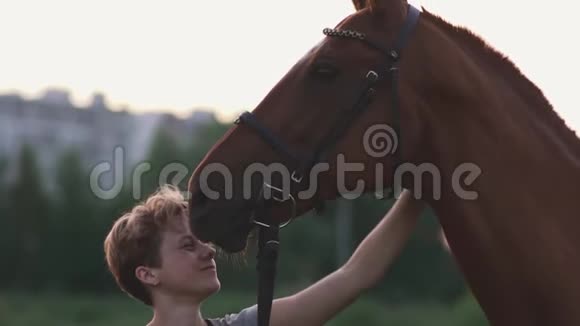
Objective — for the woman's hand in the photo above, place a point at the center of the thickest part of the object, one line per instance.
(320, 302)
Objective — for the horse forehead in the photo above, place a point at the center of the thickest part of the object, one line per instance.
(358, 19)
(327, 47)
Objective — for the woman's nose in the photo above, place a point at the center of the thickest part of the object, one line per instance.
(208, 251)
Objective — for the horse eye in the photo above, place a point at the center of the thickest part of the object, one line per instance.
(324, 71)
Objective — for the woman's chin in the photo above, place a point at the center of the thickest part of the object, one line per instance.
(210, 288)
(214, 287)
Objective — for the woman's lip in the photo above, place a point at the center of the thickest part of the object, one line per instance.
(208, 268)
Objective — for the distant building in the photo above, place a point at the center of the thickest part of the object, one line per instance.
(51, 125)
(56, 97)
(201, 116)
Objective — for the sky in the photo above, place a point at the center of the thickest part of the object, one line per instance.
(175, 55)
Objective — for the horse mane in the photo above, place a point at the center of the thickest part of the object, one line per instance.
(512, 74)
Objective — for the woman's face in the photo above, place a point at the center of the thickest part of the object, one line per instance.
(187, 265)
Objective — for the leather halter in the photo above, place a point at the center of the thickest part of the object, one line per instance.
(268, 241)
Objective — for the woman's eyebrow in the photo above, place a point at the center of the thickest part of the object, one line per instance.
(186, 238)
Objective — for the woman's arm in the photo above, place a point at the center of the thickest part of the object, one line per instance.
(320, 302)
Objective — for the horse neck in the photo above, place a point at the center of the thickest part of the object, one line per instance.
(481, 108)
(495, 67)
(521, 228)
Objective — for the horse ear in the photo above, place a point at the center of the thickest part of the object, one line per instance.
(359, 4)
(377, 5)
(380, 6)
(362, 4)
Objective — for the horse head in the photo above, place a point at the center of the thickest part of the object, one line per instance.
(340, 107)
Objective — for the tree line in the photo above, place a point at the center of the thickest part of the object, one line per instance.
(51, 239)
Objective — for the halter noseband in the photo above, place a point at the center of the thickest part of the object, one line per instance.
(268, 230)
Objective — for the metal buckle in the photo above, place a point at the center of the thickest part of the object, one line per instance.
(278, 191)
(296, 177)
(372, 76)
(292, 214)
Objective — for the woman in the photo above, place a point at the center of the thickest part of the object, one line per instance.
(155, 258)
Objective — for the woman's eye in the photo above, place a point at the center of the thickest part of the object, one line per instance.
(324, 71)
(189, 246)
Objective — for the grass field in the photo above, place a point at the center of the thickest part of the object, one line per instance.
(18, 309)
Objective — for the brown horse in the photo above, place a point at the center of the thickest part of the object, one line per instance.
(517, 242)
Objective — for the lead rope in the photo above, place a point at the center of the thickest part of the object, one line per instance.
(269, 244)
(267, 257)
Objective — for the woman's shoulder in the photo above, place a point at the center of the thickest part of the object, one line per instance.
(246, 317)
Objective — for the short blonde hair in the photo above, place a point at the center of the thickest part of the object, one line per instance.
(135, 238)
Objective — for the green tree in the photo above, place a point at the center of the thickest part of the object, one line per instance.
(202, 141)
(75, 240)
(4, 219)
(163, 151)
(3, 168)
(27, 224)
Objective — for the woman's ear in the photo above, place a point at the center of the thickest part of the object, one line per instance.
(147, 275)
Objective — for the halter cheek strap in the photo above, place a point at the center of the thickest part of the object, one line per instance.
(276, 143)
(268, 242)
